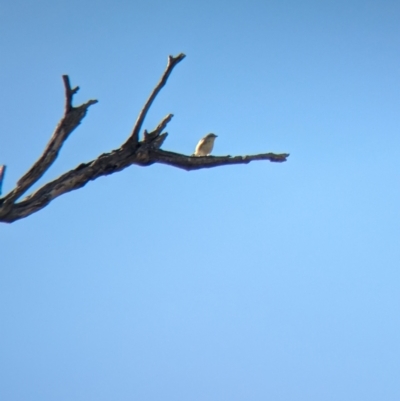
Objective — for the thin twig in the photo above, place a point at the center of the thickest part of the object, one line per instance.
(172, 62)
(69, 93)
(148, 136)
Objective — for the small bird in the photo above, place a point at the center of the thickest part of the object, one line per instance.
(205, 145)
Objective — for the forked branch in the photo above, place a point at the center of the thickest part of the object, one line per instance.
(142, 152)
(172, 62)
(71, 119)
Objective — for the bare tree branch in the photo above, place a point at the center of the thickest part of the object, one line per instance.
(149, 136)
(172, 62)
(71, 119)
(190, 163)
(69, 93)
(141, 153)
(118, 160)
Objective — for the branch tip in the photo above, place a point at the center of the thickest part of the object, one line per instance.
(90, 102)
(164, 122)
(176, 59)
(66, 82)
(134, 137)
(180, 56)
(69, 93)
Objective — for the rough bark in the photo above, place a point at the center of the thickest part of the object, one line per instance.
(142, 152)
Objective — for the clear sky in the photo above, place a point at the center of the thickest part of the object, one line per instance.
(255, 282)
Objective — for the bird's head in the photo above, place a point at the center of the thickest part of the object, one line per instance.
(211, 136)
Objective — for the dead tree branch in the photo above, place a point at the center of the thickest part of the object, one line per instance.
(172, 62)
(71, 119)
(134, 151)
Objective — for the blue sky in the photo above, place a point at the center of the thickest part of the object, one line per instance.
(255, 282)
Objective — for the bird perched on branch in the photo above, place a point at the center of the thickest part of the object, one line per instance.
(205, 145)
